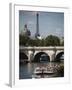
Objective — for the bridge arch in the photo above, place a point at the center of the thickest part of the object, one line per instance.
(23, 57)
(59, 56)
(41, 56)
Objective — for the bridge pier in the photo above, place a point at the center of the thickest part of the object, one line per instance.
(29, 56)
(51, 54)
(52, 58)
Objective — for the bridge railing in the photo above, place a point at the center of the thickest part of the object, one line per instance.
(41, 48)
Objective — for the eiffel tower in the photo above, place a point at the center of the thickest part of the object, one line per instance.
(37, 34)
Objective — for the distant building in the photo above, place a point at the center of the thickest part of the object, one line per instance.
(26, 31)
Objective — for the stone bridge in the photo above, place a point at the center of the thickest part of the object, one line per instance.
(33, 53)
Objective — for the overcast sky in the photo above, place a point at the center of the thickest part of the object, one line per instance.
(50, 23)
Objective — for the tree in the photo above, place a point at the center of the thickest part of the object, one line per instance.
(43, 43)
(48, 41)
(23, 40)
(62, 43)
(52, 40)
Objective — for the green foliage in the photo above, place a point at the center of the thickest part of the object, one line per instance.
(48, 41)
(23, 40)
(52, 41)
(62, 43)
(43, 43)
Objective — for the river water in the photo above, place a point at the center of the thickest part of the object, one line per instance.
(27, 70)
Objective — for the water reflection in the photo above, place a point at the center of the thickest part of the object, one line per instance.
(26, 71)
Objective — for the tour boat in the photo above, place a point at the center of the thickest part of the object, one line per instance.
(42, 72)
(37, 70)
